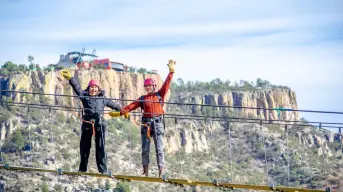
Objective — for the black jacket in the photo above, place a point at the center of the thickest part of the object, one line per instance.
(93, 107)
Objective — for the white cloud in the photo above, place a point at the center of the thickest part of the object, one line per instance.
(105, 30)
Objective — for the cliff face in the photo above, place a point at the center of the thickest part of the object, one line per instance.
(270, 98)
(117, 85)
(129, 86)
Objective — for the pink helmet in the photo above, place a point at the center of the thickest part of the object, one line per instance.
(149, 81)
(94, 82)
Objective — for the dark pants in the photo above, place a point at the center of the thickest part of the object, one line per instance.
(85, 146)
(156, 133)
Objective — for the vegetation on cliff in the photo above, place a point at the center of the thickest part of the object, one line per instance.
(218, 85)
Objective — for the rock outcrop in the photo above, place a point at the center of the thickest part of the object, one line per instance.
(268, 98)
(118, 85)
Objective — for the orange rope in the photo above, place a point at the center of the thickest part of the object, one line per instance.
(90, 122)
(146, 125)
(77, 115)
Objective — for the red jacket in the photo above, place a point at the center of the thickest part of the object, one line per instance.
(151, 109)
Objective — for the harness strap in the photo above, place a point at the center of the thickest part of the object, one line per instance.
(90, 122)
(148, 125)
(142, 99)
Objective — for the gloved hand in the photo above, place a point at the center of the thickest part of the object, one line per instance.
(171, 66)
(126, 116)
(117, 114)
(114, 113)
(66, 74)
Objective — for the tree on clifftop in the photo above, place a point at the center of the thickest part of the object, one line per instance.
(9, 66)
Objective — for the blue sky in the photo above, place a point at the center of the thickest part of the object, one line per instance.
(288, 42)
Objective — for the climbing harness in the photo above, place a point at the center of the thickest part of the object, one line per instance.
(161, 102)
(92, 121)
(148, 125)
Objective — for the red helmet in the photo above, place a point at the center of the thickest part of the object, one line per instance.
(149, 81)
(94, 82)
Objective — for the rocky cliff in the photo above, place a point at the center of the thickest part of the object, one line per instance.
(123, 85)
(118, 85)
(267, 98)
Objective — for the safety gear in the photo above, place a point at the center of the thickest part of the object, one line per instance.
(159, 99)
(114, 113)
(66, 74)
(94, 82)
(171, 66)
(145, 170)
(117, 114)
(142, 99)
(126, 116)
(149, 81)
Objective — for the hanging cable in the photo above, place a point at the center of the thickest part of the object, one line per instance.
(208, 125)
(180, 147)
(131, 156)
(52, 136)
(180, 116)
(230, 151)
(265, 152)
(134, 116)
(211, 154)
(30, 144)
(324, 164)
(1, 159)
(131, 151)
(287, 154)
(41, 146)
(180, 159)
(210, 128)
(175, 103)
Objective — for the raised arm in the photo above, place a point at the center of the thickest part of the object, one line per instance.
(166, 85)
(72, 81)
(76, 86)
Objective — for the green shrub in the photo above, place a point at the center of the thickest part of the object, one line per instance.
(122, 187)
(18, 140)
(44, 187)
